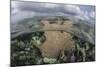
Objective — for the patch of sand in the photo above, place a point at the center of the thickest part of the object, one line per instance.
(56, 41)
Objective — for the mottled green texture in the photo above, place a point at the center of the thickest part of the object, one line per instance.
(49, 60)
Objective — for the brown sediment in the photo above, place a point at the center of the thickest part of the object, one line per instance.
(56, 41)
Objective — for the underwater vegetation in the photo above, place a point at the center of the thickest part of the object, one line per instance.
(25, 52)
